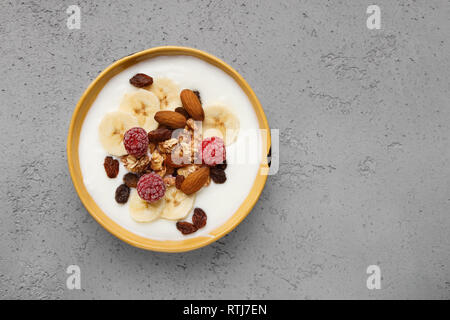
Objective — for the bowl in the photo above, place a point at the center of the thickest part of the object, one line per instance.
(73, 139)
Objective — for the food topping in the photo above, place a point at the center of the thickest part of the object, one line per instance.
(122, 193)
(213, 151)
(151, 187)
(141, 80)
(111, 167)
(135, 141)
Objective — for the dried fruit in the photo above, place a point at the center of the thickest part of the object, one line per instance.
(111, 167)
(141, 80)
(136, 165)
(178, 181)
(122, 193)
(199, 218)
(218, 175)
(195, 181)
(170, 119)
(131, 180)
(222, 166)
(186, 227)
(182, 111)
(213, 151)
(151, 187)
(197, 93)
(159, 135)
(135, 141)
(192, 104)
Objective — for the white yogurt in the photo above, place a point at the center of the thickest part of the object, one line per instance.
(219, 201)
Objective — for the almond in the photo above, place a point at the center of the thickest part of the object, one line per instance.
(195, 181)
(192, 104)
(170, 119)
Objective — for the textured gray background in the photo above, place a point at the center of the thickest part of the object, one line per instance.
(364, 124)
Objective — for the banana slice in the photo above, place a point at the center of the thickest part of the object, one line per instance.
(168, 93)
(178, 204)
(219, 118)
(111, 130)
(143, 105)
(143, 211)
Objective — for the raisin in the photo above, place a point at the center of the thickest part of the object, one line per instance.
(159, 135)
(218, 175)
(197, 93)
(178, 181)
(141, 80)
(111, 167)
(122, 193)
(183, 111)
(199, 218)
(131, 180)
(222, 166)
(186, 227)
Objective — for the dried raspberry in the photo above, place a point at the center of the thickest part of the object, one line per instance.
(122, 193)
(199, 218)
(131, 179)
(135, 141)
(111, 167)
(213, 151)
(141, 80)
(218, 175)
(186, 227)
(151, 187)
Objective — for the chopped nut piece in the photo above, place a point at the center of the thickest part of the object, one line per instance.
(161, 172)
(151, 147)
(168, 145)
(157, 161)
(134, 164)
(185, 171)
(169, 180)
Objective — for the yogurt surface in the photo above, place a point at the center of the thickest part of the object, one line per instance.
(219, 201)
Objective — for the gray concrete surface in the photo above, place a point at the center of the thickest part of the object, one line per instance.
(364, 124)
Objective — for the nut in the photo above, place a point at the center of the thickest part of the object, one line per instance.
(169, 180)
(134, 164)
(157, 161)
(185, 171)
(192, 104)
(168, 145)
(195, 181)
(170, 119)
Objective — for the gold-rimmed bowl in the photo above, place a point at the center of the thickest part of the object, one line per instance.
(101, 217)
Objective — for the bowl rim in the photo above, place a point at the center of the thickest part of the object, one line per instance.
(76, 122)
